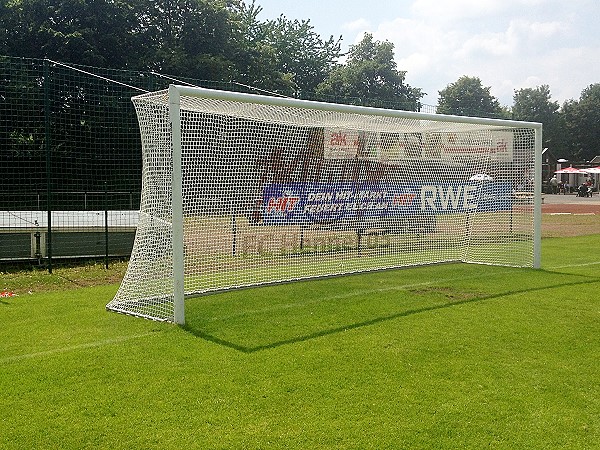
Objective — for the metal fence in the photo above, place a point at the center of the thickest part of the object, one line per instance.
(69, 147)
(70, 150)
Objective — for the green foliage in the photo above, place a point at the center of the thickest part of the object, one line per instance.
(449, 356)
(85, 32)
(468, 97)
(581, 119)
(282, 55)
(192, 38)
(535, 105)
(570, 131)
(201, 39)
(370, 77)
(569, 125)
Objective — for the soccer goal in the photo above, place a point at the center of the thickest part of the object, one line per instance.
(244, 190)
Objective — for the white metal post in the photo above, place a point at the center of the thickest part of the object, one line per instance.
(537, 199)
(177, 199)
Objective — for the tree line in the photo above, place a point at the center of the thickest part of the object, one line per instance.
(224, 40)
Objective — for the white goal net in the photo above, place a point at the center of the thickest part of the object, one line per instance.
(242, 190)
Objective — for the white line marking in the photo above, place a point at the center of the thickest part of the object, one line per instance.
(117, 340)
(593, 263)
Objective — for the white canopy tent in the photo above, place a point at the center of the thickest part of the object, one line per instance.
(592, 170)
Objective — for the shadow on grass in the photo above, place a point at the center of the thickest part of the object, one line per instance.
(343, 328)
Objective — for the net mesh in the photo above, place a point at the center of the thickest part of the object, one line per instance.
(281, 193)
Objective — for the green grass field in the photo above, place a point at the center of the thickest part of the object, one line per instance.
(436, 357)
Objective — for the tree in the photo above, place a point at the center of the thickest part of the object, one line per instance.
(535, 105)
(282, 55)
(569, 126)
(581, 119)
(189, 38)
(85, 32)
(370, 77)
(300, 52)
(468, 97)
(220, 40)
(193, 38)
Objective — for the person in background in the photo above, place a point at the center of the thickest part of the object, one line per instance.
(553, 185)
(583, 190)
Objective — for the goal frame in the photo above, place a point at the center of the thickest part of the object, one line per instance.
(175, 93)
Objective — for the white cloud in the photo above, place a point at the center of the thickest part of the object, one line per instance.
(532, 82)
(487, 45)
(412, 37)
(359, 25)
(546, 29)
(453, 10)
(415, 63)
(569, 70)
(508, 44)
(425, 51)
(448, 11)
(536, 30)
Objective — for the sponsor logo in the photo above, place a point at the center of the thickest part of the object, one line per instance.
(306, 203)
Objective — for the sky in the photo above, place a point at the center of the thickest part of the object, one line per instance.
(507, 44)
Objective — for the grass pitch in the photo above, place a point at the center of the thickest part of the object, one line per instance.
(445, 356)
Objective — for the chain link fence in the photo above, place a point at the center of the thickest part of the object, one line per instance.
(70, 158)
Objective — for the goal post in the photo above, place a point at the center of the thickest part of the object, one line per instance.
(243, 190)
(177, 198)
(537, 198)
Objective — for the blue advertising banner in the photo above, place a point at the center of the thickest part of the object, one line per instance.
(309, 203)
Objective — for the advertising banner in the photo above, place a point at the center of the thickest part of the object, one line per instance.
(341, 144)
(313, 203)
(348, 144)
(497, 146)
